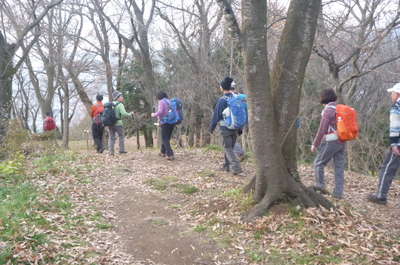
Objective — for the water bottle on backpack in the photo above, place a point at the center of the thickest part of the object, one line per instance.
(236, 114)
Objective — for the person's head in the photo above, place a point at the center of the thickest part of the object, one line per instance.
(117, 96)
(161, 95)
(48, 114)
(226, 84)
(327, 96)
(395, 92)
(99, 97)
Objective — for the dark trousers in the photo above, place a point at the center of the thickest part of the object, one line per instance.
(97, 132)
(386, 173)
(166, 133)
(113, 130)
(231, 160)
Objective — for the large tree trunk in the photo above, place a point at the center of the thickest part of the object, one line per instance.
(6, 76)
(261, 111)
(288, 74)
(5, 103)
(273, 180)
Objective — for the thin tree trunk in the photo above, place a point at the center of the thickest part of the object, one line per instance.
(148, 136)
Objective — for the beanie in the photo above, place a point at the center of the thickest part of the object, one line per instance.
(116, 95)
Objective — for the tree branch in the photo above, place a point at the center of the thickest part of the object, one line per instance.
(231, 19)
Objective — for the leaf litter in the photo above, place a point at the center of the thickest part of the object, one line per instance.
(356, 232)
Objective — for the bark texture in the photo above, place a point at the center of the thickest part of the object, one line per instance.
(274, 104)
(288, 73)
(6, 74)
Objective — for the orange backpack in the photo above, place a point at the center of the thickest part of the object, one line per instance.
(346, 122)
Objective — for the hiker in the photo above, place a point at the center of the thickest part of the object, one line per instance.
(118, 127)
(329, 146)
(229, 136)
(392, 160)
(49, 124)
(166, 128)
(97, 124)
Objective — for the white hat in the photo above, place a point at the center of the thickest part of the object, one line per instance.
(395, 88)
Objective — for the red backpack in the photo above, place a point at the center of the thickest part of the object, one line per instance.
(49, 124)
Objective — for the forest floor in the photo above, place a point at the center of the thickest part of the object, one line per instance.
(139, 208)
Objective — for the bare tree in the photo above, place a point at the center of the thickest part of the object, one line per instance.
(268, 101)
(348, 41)
(194, 34)
(140, 25)
(9, 48)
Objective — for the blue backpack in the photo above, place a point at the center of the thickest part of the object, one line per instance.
(175, 113)
(235, 115)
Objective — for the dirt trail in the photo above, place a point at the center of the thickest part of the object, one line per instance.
(151, 230)
(154, 222)
(150, 223)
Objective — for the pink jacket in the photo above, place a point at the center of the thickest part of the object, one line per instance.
(162, 109)
(327, 124)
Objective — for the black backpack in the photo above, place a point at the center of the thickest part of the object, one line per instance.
(109, 116)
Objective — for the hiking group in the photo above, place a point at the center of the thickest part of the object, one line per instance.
(338, 125)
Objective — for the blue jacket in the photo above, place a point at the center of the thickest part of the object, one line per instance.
(222, 104)
(395, 124)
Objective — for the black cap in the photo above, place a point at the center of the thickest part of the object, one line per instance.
(226, 83)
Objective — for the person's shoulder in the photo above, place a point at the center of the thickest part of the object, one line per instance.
(396, 107)
(224, 97)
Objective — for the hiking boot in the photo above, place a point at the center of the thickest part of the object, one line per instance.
(123, 152)
(170, 158)
(321, 190)
(101, 150)
(373, 198)
(161, 154)
(238, 173)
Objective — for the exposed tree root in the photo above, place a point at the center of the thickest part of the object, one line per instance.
(296, 191)
(318, 198)
(262, 207)
(251, 186)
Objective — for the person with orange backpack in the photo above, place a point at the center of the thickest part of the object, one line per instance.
(97, 124)
(391, 163)
(338, 124)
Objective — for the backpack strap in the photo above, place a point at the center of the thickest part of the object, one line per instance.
(330, 107)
